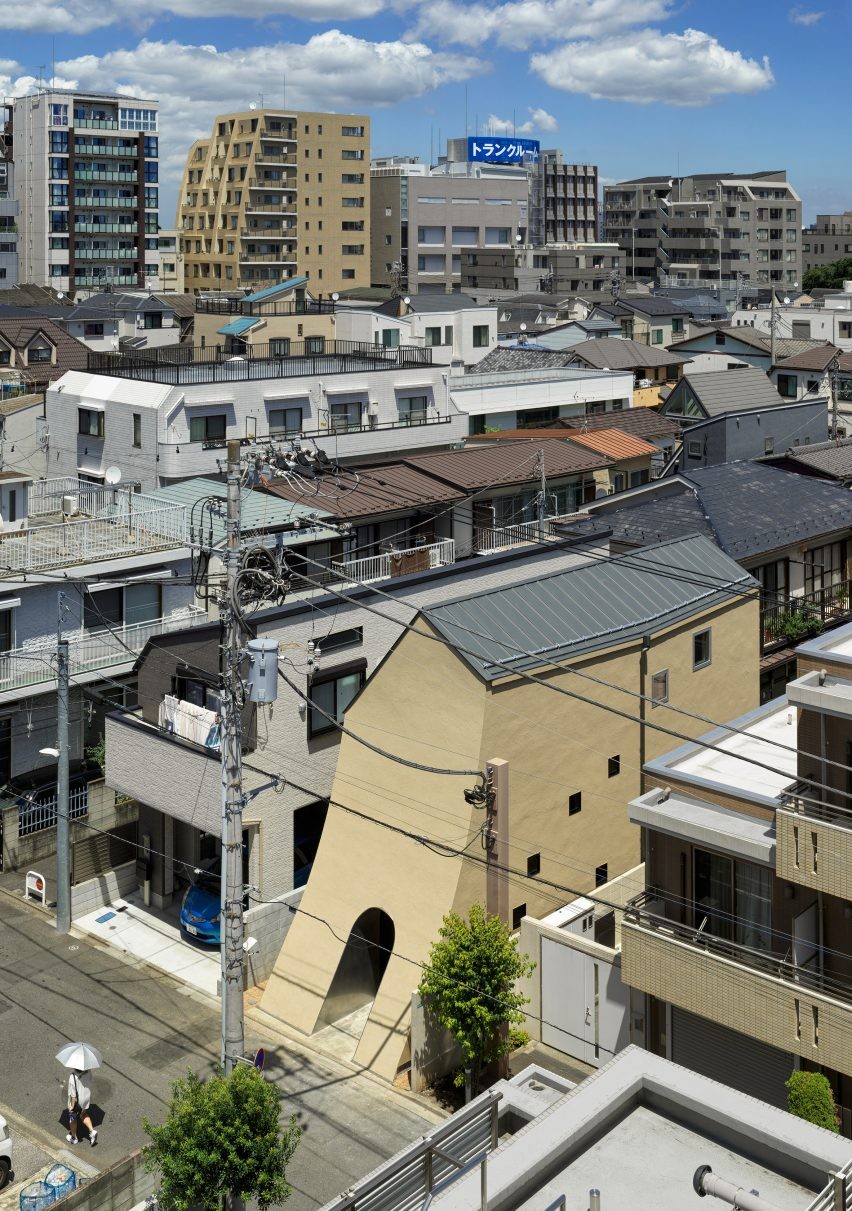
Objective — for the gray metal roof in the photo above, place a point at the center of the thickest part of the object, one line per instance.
(832, 458)
(522, 357)
(721, 391)
(261, 511)
(595, 605)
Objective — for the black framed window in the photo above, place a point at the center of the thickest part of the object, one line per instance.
(660, 687)
(90, 423)
(208, 428)
(613, 766)
(285, 421)
(575, 803)
(331, 694)
(701, 649)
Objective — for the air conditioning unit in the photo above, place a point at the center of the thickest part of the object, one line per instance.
(373, 408)
(70, 505)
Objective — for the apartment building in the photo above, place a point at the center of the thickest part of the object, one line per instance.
(741, 940)
(86, 173)
(828, 239)
(553, 268)
(8, 208)
(709, 227)
(272, 194)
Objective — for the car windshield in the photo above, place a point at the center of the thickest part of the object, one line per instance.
(209, 883)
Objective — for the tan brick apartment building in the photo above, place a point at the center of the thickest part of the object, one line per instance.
(272, 194)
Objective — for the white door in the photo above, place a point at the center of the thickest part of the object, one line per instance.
(584, 1005)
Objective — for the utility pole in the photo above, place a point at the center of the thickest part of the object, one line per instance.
(772, 329)
(542, 496)
(833, 367)
(233, 1025)
(63, 823)
(497, 839)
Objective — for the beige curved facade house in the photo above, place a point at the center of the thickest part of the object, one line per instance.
(275, 194)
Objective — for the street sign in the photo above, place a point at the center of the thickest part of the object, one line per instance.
(502, 150)
(259, 1058)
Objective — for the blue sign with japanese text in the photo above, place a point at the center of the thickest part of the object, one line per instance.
(502, 150)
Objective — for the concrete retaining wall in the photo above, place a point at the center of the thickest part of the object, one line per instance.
(103, 889)
(118, 1188)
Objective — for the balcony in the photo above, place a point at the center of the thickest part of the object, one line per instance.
(226, 305)
(115, 279)
(280, 208)
(278, 185)
(274, 157)
(398, 563)
(499, 538)
(814, 841)
(104, 525)
(93, 149)
(269, 233)
(766, 996)
(95, 123)
(798, 618)
(105, 254)
(105, 202)
(106, 174)
(106, 228)
(271, 258)
(28, 668)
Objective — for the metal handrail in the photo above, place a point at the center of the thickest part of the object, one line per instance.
(697, 938)
(479, 1161)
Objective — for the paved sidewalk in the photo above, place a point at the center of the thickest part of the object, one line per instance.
(151, 1030)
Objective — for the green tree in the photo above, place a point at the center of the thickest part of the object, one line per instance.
(222, 1136)
(828, 277)
(469, 985)
(809, 1097)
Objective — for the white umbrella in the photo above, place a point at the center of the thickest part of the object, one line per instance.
(79, 1055)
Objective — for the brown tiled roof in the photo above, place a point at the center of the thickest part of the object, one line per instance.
(18, 331)
(507, 463)
(614, 444)
(817, 359)
(364, 493)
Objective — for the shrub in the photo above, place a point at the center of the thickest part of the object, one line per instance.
(809, 1097)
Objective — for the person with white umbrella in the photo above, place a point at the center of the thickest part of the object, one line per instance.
(81, 1059)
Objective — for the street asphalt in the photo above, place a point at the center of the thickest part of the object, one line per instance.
(150, 1029)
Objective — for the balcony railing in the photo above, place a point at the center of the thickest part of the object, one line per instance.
(96, 123)
(106, 174)
(399, 563)
(89, 652)
(269, 233)
(243, 306)
(657, 920)
(799, 618)
(105, 254)
(498, 538)
(105, 202)
(184, 364)
(114, 279)
(272, 258)
(105, 228)
(92, 149)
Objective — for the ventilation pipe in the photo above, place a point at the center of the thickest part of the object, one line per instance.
(705, 1182)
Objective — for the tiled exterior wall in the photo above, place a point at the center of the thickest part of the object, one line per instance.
(830, 869)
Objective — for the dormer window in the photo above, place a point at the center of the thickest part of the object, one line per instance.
(39, 353)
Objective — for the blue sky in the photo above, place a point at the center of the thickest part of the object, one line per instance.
(636, 86)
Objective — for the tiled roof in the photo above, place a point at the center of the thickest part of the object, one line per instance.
(816, 358)
(616, 353)
(721, 391)
(521, 357)
(71, 354)
(833, 458)
(614, 444)
(641, 422)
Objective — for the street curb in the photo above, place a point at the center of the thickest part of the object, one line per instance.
(54, 1145)
(266, 1022)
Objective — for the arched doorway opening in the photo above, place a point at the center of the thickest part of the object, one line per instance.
(361, 968)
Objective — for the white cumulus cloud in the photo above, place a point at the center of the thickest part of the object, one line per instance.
(521, 23)
(691, 68)
(539, 120)
(83, 16)
(332, 71)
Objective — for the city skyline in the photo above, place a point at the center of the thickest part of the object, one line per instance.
(638, 87)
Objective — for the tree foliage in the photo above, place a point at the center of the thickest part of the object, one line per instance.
(809, 1097)
(222, 1135)
(828, 277)
(469, 985)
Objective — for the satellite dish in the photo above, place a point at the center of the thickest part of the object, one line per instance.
(407, 301)
(523, 327)
(112, 475)
(253, 105)
(786, 300)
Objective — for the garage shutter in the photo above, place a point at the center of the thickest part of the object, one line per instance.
(733, 1059)
(102, 852)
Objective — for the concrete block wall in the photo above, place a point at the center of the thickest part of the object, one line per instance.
(269, 924)
(121, 1187)
(103, 889)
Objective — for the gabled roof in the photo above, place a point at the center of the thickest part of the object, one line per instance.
(596, 605)
(816, 358)
(646, 304)
(19, 331)
(751, 338)
(509, 463)
(722, 391)
(613, 443)
(427, 303)
(832, 459)
(749, 508)
(261, 511)
(279, 288)
(641, 422)
(238, 326)
(616, 353)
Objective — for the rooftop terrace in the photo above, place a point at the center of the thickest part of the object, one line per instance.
(183, 365)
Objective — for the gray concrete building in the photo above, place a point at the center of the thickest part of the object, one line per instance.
(709, 227)
(86, 172)
(553, 268)
(828, 239)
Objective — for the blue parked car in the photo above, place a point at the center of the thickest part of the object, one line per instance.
(201, 908)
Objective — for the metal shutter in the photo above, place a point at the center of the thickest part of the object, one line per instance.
(733, 1059)
(100, 853)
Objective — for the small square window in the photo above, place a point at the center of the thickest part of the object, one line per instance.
(601, 874)
(575, 803)
(613, 766)
(660, 688)
(533, 864)
(518, 914)
(700, 649)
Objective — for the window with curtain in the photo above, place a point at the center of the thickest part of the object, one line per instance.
(825, 567)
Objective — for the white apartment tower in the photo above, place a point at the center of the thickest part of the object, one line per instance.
(86, 181)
